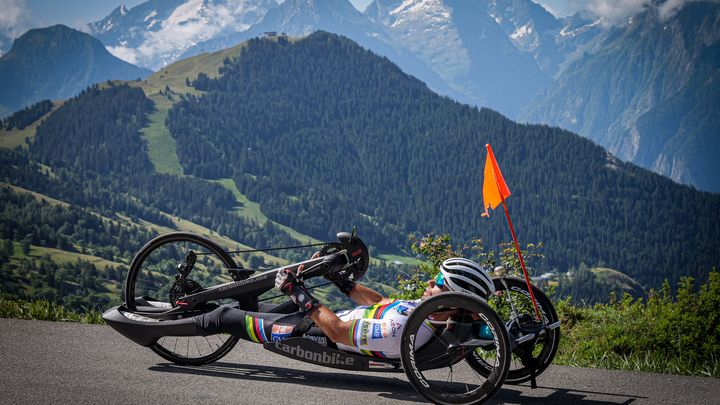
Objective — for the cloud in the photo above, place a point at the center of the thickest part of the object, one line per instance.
(190, 23)
(127, 54)
(671, 7)
(14, 18)
(617, 10)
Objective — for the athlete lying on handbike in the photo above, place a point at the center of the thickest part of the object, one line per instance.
(373, 328)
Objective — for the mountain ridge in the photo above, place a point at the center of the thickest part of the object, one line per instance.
(56, 63)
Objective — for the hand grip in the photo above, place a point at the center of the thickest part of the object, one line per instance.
(329, 263)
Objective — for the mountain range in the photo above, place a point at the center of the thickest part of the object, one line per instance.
(495, 54)
(509, 55)
(56, 63)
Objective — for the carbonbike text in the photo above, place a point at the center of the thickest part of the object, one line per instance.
(326, 358)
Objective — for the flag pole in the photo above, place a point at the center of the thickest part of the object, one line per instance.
(522, 262)
(512, 231)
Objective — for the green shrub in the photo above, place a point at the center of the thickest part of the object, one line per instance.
(665, 334)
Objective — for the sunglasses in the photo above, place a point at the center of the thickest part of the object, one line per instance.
(439, 280)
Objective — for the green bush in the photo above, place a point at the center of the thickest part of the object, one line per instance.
(664, 334)
(434, 249)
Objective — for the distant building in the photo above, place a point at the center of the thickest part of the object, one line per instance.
(270, 33)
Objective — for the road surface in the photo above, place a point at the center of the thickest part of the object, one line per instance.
(69, 363)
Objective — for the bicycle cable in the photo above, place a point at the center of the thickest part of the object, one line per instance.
(266, 249)
(283, 295)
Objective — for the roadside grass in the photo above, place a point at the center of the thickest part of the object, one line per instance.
(666, 333)
(43, 310)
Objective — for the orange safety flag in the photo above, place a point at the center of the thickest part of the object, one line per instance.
(494, 188)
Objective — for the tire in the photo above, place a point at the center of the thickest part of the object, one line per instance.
(432, 356)
(543, 348)
(150, 281)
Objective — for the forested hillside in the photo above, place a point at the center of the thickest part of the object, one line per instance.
(325, 134)
(99, 199)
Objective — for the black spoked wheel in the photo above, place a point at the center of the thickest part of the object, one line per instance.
(440, 334)
(513, 303)
(152, 286)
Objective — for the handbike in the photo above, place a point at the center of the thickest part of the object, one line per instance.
(180, 275)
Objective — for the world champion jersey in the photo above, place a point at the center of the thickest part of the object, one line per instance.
(376, 330)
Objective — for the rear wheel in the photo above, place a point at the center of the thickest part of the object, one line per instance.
(538, 352)
(153, 286)
(442, 332)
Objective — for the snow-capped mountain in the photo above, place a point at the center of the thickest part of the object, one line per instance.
(531, 28)
(157, 32)
(467, 47)
(497, 54)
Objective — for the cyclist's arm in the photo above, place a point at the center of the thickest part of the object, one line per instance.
(335, 328)
(362, 295)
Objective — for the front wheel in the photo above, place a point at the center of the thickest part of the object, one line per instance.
(152, 286)
(440, 334)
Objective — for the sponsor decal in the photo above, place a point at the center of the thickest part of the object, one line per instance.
(406, 307)
(317, 339)
(247, 281)
(379, 364)
(376, 331)
(394, 327)
(281, 332)
(364, 331)
(324, 358)
(495, 340)
(412, 363)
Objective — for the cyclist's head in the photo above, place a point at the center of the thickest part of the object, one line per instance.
(458, 274)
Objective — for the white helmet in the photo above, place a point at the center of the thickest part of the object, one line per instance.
(467, 276)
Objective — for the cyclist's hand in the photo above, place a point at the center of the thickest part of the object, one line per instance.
(285, 278)
(341, 279)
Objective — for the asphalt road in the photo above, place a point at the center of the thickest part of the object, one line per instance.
(57, 363)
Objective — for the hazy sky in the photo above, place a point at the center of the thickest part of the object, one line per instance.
(17, 16)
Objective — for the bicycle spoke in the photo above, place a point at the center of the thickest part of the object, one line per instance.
(197, 346)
